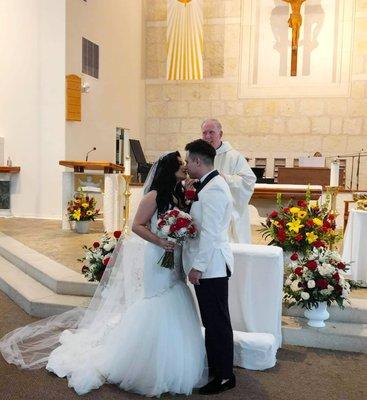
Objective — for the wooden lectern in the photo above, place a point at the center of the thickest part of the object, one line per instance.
(113, 187)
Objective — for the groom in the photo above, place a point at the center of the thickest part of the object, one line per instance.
(208, 262)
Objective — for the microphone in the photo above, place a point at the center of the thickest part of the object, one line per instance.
(86, 157)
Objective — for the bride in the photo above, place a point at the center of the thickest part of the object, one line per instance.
(142, 335)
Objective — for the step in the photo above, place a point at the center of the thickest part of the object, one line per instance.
(334, 336)
(355, 313)
(33, 297)
(53, 275)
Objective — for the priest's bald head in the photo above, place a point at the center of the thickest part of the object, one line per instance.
(211, 130)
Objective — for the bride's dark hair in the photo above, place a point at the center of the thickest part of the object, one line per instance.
(165, 181)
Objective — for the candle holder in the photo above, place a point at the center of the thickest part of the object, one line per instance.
(333, 191)
(127, 194)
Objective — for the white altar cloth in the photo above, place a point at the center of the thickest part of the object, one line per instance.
(355, 245)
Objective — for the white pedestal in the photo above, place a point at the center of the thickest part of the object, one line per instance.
(113, 200)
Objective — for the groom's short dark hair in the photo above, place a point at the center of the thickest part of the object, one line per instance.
(203, 150)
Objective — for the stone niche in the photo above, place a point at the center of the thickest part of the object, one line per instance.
(324, 53)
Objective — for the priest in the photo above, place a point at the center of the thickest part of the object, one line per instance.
(234, 168)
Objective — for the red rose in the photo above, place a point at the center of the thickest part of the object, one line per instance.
(182, 223)
(273, 214)
(190, 194)
(318, 243)
(161, 223)
(105, 261)
(281, 235)
(173, 228)
(298, 271)
(96, 245)
(338, 288)
(311, 264)
(298, 237)
(286, 210)
(294, 257)
(301, 203)
(191, 229)
(117, 234)
(174, 213)
(310, 223)
(341, 265)
(321, 283)
(336, 276)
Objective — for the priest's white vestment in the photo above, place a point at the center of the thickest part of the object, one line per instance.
(241, 181)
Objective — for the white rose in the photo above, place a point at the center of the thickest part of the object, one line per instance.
(107, 246)
(294, 285)
(288, 282)
(311, 284)
(345, 293)
(330, 288)
(305, 295)
(165, 230)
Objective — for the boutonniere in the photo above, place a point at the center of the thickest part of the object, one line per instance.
(190, 196)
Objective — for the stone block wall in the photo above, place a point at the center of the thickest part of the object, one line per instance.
(271, 128)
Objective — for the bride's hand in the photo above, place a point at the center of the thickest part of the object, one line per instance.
(166, 244)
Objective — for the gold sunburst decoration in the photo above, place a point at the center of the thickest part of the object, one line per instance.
(184, 39)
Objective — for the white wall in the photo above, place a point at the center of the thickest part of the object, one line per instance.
(32, 101)
(117, 97)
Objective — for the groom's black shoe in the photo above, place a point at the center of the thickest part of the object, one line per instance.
(216, 386)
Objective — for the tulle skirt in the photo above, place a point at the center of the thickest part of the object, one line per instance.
(156, 347)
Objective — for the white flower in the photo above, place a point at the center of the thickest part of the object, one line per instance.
(326, 269)
(305, 295)
(330, 288)
(165, 230)
(311, 284)
(108, 246)
(345, 293)
(294, 285)
(288, 282)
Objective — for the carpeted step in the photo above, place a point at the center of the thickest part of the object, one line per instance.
(35, 298)
(49, 273)
(334, 336)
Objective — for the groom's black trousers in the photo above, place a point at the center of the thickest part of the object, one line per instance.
(212, 295)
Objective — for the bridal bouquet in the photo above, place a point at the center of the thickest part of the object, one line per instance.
(98, 255)
(317, 277)
(174, 225)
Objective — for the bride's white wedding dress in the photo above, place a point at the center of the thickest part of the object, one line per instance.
(150, 347)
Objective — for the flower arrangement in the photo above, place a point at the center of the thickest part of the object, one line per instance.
(362, 205)
(98, 255)
(317, 277)
(302, 226)
(174, 225)
(82, 208)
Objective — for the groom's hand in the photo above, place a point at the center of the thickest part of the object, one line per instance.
(194, 276)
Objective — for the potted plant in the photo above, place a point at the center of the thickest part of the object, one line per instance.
(82, 210)
(315, 281)
(98, 255)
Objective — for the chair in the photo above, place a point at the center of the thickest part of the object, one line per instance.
(143, 165)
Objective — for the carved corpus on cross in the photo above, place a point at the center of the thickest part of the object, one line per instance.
(295, 22)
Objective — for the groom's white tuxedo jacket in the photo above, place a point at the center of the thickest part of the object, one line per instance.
(210, 251)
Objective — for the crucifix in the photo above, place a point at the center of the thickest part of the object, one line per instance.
(295, 22)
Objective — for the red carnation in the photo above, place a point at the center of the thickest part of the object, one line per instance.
(281, 235)
(117, 234)
(96, 245)
(321, 283)
(182, 223)
(318, 243)
(301, 203)
(190, 194)
(273, 214)
(105, 261)
(294, 256)
(298, 271)
(311, 264)
(341, 265)
(336, 276)
(174, 213)
(298, 237)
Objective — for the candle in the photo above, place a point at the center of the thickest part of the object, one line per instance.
(334, 173)
(127, 160)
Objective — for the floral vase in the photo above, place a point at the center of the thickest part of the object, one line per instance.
(317, 316)
(82, 226)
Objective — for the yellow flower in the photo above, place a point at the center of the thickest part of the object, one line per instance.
(76, 215)
(317, 221)
(295, 225)
(311, 237)
(294, 210)
(85, 205)
(302, 214)
(89, 212)
(276, 223)
(77, 201)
